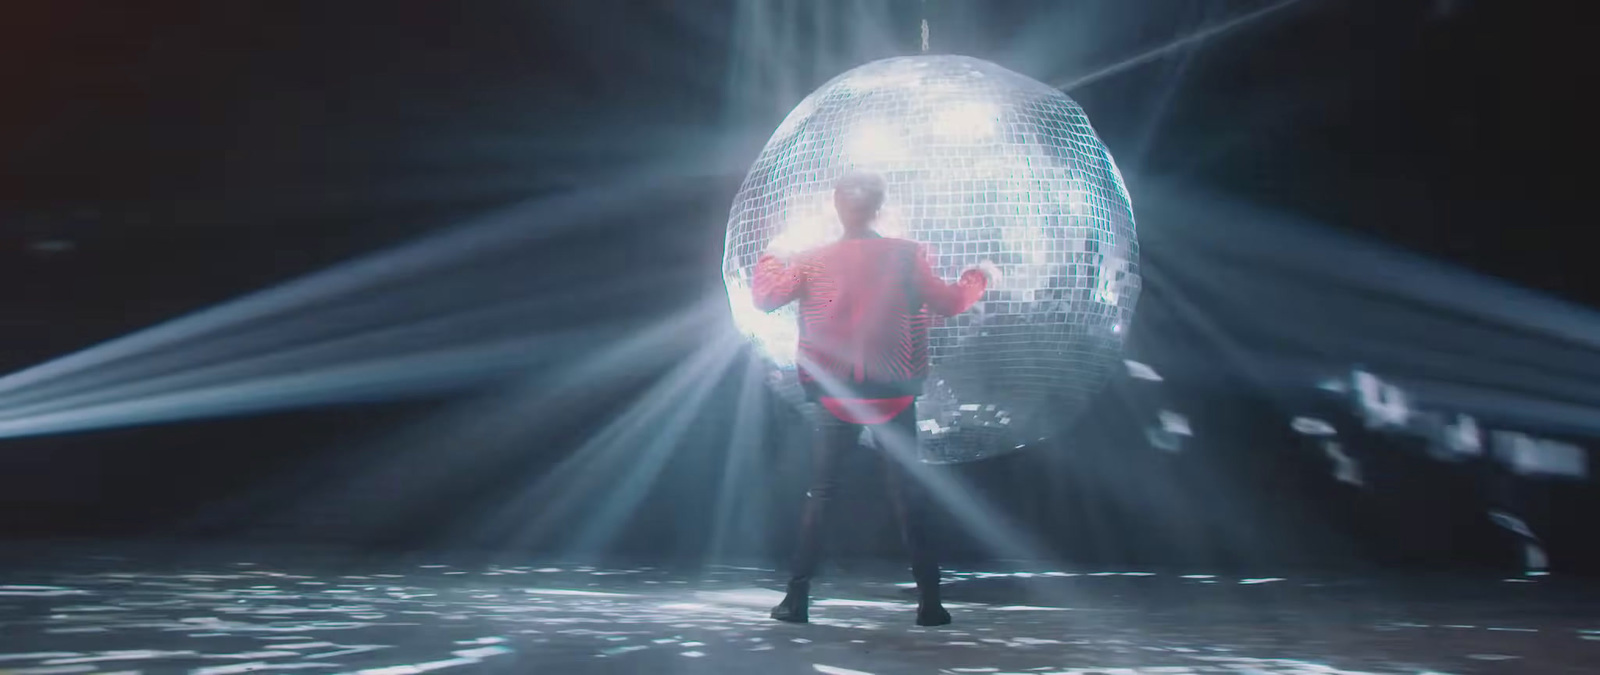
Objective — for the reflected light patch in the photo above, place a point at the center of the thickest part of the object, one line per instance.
(832, 670)
(875, 143)
(583, 594)
(973, 120)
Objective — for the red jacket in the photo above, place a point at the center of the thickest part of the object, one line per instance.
(864, 313)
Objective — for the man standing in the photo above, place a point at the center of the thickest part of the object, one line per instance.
(864, 304)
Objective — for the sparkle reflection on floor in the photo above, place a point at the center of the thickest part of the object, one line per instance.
(117, 615)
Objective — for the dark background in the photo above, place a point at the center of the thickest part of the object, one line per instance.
(160, 157)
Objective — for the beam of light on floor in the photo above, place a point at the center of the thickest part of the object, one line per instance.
(1198, 36)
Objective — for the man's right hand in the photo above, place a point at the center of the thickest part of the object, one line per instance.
(991, 272)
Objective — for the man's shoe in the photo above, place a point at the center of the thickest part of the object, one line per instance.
(795, 607)
(932, 614)
(930, 611)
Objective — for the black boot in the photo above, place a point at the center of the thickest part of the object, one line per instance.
(930, 611)
(796, 605)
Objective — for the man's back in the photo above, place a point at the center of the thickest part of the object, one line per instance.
(863, 310)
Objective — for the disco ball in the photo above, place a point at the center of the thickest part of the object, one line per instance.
(981, 163)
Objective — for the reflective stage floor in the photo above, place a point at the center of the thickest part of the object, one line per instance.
(265, 613)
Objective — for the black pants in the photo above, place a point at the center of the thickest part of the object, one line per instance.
(897, 446)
